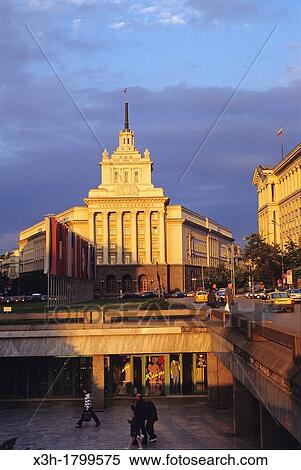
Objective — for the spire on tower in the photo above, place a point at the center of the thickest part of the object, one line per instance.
(126, 116)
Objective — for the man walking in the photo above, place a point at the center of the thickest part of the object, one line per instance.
(151, 418)
(141, 414)
(88, 412)
(229, 295)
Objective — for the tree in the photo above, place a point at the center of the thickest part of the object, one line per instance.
(241, 276)
(264, 260)
(220, 276)
(292, 259)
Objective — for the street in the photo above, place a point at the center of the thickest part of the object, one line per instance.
(254, 309)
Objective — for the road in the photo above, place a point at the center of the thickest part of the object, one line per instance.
(254, 309)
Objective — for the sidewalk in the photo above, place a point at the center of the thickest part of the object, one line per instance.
(185, 423)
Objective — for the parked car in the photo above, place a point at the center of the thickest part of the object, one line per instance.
(16, 299)
(221, 295)
(262, 295)
(295, 294)
(201, 296)
(36, 297)
(248, 295)
(178, 294)
(148, 295)
(190, 294)
(279, 301)
(128, 295)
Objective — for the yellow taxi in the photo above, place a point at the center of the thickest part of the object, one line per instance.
(279, 301)
(201, 296)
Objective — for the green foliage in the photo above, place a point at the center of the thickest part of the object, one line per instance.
(242, 274)
(264, 260)
(220, 276)
(292, 259)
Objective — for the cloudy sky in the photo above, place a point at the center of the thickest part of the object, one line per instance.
(209, 83)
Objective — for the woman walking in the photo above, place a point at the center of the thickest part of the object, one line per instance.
(88, 412)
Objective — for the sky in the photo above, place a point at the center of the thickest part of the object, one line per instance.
(209, 83)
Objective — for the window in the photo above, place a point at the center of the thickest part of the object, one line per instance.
(126, 176)
(136, 176)
(273, 191)
(127, 258)
(113, 258)
(115, 176)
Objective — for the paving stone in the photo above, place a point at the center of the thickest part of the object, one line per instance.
(184, 423)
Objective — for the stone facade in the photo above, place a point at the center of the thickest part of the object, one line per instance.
(279, 199)
(142, 242)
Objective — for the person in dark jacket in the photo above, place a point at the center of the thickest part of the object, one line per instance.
(212, 296)
(135, 431)
(151, 418)
(87, 409)
(141, 415)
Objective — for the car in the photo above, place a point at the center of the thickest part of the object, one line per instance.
(262, 295)
(148, 295)
(201, 296)
(221, 295)
(190, 294)
(128, 296)
(279, 301)
(295, 294)
(178, 294)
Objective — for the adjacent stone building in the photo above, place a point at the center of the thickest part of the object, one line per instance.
(279, 199)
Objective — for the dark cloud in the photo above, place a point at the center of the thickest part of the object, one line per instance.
(54, 159)
(49, 158)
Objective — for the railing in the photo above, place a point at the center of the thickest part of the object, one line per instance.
(254, 332)
(102, 316)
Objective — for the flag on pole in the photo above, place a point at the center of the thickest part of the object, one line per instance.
(280, 131)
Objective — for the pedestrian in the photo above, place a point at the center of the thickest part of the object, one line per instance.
(141, 413)
(151, 418)
(212, 296)
(88, 412)
(135, 431)
(229, 296)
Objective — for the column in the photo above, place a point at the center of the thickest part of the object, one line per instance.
(147, 238)
(273, 435)
(134, 236)
(98, 380)
(92, 227)
(162, 259)
(119, 236)
(245, 411)
(220, 383)
(105, 237)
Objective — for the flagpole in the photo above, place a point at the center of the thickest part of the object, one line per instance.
(280, 133)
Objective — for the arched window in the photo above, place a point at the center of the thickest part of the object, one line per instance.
(142, 283)
(111, 284)
(127, 283)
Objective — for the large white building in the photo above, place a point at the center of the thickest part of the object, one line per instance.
(142, 241)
